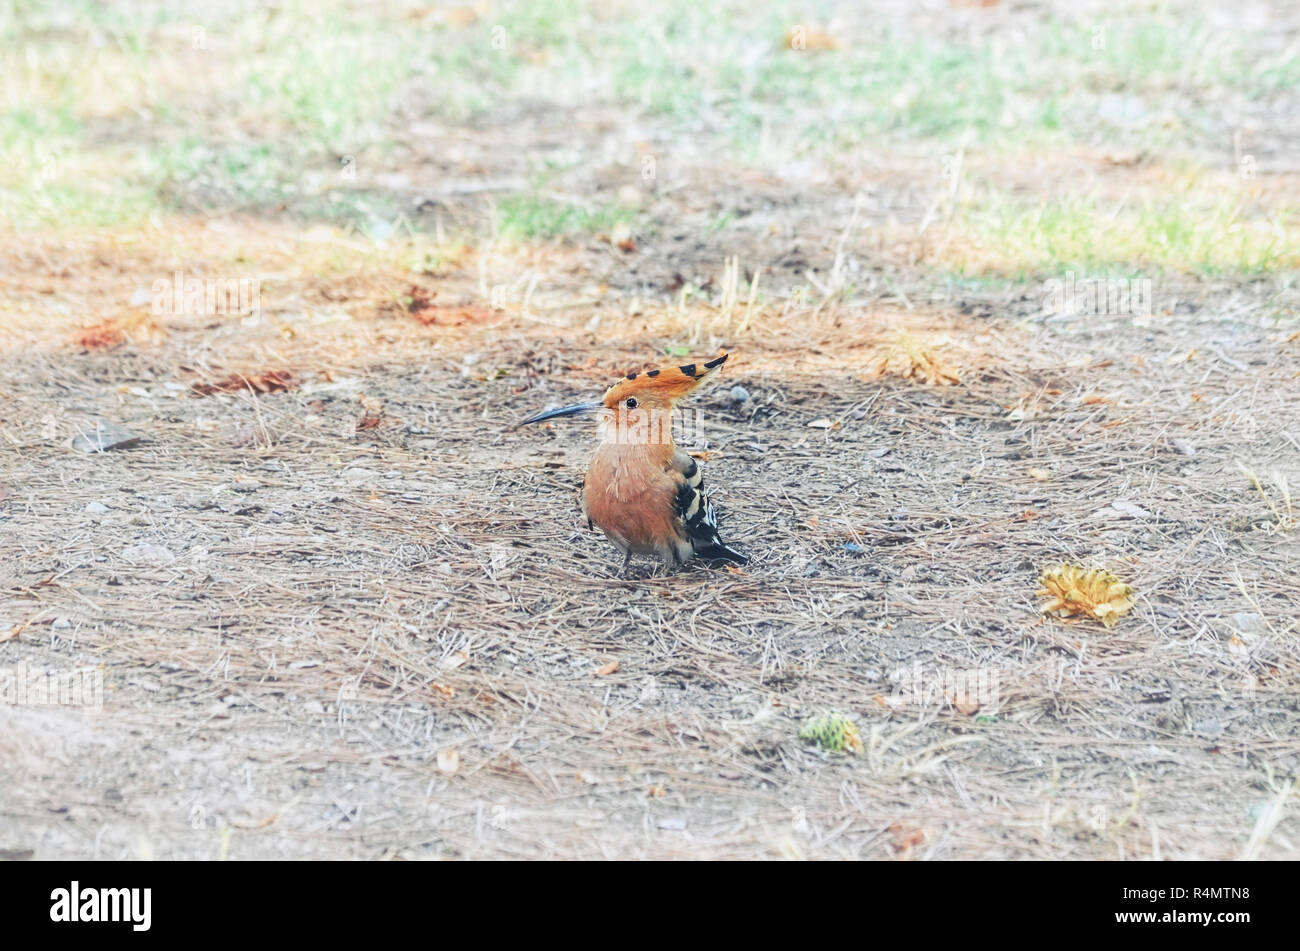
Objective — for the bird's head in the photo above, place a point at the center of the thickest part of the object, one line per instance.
(640, 395)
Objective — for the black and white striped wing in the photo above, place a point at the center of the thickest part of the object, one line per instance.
(698, 516)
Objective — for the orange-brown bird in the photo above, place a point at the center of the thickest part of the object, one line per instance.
(644, 493)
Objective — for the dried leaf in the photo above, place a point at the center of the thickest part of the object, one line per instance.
(111, 333)
(421, 299)
(909, 360)
(458, 659)
(373, 413)
(608, 669)
(448, 315)
(1096, 594)
(1039, 475)
(1123, 157)
(801, 39)
(268, 381)
(906, 838)
(443, 689)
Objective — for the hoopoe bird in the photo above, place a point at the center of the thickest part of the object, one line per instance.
(644, 493)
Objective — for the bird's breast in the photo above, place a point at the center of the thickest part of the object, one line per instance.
(629, 494)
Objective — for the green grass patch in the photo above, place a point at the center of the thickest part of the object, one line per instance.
(529, 217)
(182, 109)
(1197, 234)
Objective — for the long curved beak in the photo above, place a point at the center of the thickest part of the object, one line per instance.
(577, 409)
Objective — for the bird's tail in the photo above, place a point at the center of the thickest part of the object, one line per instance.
(720, 551)
(699, 518)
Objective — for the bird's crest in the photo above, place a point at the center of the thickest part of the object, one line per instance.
(665, 384)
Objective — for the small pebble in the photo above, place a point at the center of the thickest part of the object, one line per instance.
(1248, 622)
(359, 474)
(157, 554)
(100, 435)
(1130, 508)
(1209, 728)
(96, 508)
(739, 394)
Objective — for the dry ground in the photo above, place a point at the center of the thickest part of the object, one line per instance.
(340, 601)
(357, 615)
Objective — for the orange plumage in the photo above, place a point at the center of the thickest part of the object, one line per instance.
(644, 493)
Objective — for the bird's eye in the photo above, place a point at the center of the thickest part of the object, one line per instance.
(631, 402)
